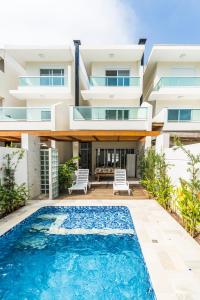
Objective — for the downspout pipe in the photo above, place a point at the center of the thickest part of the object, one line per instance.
(77, 43)
(142, 42)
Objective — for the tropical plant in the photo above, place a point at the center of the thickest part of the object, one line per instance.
(164, 188)
(12, 195)
(66, 173)
(154, 177)
(147, 165)
(188, 200)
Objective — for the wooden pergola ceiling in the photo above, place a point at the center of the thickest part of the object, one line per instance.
(80, 135)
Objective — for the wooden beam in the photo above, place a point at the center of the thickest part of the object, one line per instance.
(9, 139)
(95, 138)
(82, 135)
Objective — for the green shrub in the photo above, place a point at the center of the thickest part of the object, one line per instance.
(163, 187)
(188, 201)
(12, 196)
(66, 173)
(147, 166)
(153, 171)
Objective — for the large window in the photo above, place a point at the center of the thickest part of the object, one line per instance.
(117, 77)
(179, 115)
(115, 158)
(117, 114)
(52, 77)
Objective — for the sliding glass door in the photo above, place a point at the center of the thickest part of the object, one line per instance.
(115, 158)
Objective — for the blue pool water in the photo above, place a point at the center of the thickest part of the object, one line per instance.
(38, 260)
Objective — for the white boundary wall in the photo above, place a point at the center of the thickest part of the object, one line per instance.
(28, 170)
(21, 171)
(178, 161)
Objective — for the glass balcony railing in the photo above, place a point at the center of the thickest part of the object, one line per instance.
(25, 114)
(115, 81)
(109, 113)
(183, 115)
(177, 82)
(47, 81)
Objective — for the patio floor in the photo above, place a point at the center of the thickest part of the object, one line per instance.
(103, 190)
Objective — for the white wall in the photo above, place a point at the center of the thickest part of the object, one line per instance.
(33, 68)
(99, 68)
(175, 104)
(10, 81)
(32, 146)
(167, 69)
(178, 161)
(21, 174)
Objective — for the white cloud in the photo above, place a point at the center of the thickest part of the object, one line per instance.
(60, 21)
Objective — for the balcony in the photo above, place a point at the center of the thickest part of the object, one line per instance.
(179, 119)
(109, 118)
(42, 87)
(115, 81)
(113, 87)
(25, 118)
(176, 88)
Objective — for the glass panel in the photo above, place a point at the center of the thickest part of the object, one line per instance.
(185, 114)
(45, 72)
(173, 114)
(126, 114)
(25, 114)
(117, 158)
(114, 81)
(110, 158)
(100, 157)
(111, 72)
(111, 81)
(123, 73)
(120, 81)
(177, 82)
(111, 114)
(56, 79)
(45, 115)
(126, 81)
(115, 113)
(43, 81)
(195, 115)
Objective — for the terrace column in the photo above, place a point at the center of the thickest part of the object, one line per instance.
(162, 142)
(31, 144)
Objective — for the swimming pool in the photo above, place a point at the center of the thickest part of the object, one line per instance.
(74, 253)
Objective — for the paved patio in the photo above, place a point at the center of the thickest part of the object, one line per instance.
(103, 190)
(171, 255)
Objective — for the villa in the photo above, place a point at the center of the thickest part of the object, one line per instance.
(103, 106)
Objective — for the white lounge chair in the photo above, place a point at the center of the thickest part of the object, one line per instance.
(81, 182)
(120, 183)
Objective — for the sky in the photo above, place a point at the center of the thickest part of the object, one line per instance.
(99, 21)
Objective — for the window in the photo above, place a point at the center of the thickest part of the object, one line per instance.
(117, 77)
(114, 114)
(115, 158)
(185, 115)
(52, 77)
(111, 114)
(1, 64)
(45, 115)
(173, 115)
(179, 114)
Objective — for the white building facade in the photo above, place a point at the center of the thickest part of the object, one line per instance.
(172, 86)
(118, 108)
